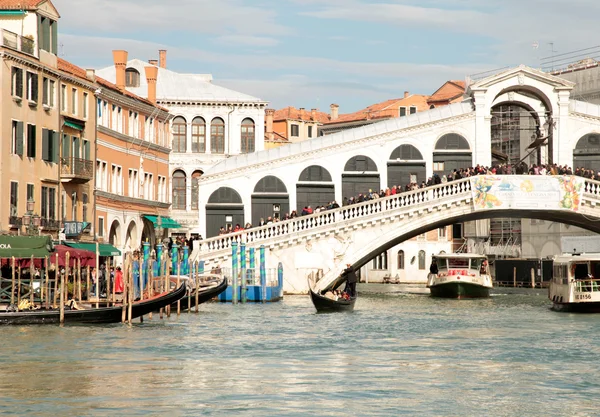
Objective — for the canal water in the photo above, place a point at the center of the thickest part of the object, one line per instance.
(400, 353)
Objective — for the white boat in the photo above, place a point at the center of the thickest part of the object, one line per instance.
(460, 275)
(575, 284)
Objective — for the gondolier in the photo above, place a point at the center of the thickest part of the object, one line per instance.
(351, 280)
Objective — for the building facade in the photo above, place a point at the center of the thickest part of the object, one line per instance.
(289, 125)
(47, 163)
(209, 124)
(132, 164)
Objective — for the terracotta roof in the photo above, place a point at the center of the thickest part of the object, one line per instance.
(384, 110)
(19, 4)
(73, 69)
(451, 90)
(277, 138)
(292, 113)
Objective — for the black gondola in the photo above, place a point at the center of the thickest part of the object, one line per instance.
(101, 315)
(324, 304)
(206, 292)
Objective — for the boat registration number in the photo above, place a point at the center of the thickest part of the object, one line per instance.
(583, 296)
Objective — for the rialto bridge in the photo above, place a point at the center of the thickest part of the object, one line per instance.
(521, 114)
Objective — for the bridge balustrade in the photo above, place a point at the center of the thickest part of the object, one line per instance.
(342, 214)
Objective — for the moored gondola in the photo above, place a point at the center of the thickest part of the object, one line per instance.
(206, 291)
(101, 315)
(325, 304)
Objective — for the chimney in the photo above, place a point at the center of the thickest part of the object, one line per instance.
(153, 62)
(313, 114)
(90, 74)
(406, 94)
(151, 75)
(302, 113)
(269, 121)
(334, 111)
(162, 58)
(120, 59)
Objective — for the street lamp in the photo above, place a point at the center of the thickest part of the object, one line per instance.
(31, 221)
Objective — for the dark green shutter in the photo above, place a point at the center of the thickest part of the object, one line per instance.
(86, 150)
(76, 147)
(19, 150)
(55, 147)
(40, 32)
(19, 82)
(46, 31)
(54, 38)
(34, 87)
(45, 145)
(31, 141)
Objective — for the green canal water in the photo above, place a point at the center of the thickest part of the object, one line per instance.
(399, 353)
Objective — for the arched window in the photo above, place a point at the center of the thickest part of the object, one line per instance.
(198, 135)
(421, 260)
(179, 134)
(400, 259)
(195, 187)
(132, 77)
(247, 136)
(217, 136)
(179, 194)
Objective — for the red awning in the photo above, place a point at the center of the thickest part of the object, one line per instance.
(87, 257)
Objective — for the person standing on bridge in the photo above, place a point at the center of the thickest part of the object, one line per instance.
(351, 280)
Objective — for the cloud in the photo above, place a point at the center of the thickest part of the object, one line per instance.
(236, 40)
(159, 16)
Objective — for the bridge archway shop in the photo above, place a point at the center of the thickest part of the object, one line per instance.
(224, 208)
(269, 199)
(314, 188)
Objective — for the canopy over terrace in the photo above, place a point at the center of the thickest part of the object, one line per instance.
(25, 246)
(86, 257)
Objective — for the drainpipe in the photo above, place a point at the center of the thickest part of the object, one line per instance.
(94, 208)
(59, 162)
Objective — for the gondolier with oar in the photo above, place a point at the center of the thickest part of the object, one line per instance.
(351, 280)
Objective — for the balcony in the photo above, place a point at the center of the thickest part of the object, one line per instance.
(17, 42)
(50, 224)
(15, 222)
(76, 170)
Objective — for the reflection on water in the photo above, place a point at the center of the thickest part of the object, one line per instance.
(400, 353)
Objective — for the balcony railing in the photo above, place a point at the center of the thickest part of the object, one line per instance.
(15, 221)
(20, 43)
(76, 170)
(50, 224)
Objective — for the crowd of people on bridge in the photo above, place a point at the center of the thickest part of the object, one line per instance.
(520, 168)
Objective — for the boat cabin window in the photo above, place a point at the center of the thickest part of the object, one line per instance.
(581, 271)
(458, 262)
(476, 263)
(595, 269)
(442, 263)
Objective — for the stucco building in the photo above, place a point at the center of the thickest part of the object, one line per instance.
(210, 123)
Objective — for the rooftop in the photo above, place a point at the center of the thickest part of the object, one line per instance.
(173, 86)
(292, 113)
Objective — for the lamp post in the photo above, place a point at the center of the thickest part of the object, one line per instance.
(31, 221)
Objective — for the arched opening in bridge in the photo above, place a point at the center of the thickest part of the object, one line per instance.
(587, 152)
(270, 199)
(223, 209)
(314, 188)
(360, 175)
(452, 151)
(405, 166)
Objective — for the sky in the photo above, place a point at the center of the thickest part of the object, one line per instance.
(311, 53)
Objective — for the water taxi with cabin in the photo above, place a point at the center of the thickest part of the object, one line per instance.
(459, 275)
(575, 284)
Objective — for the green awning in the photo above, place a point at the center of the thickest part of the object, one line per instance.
(165, 222)
(104, 249)
(25, 246)
(73, 125)
(12, 12)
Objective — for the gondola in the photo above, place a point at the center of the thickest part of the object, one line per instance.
(207, 291)
(101, 315)
(324, 304)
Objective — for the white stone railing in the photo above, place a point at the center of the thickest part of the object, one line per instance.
(331, 219)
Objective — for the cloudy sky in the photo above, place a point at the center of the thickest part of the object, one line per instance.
(311, 53)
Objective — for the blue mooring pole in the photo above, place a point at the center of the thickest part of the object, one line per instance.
(263, 274)
(234, 273)
(243, 272)
(252, 271)
(157, 265)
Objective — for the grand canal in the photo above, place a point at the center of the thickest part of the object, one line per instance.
(399, 353)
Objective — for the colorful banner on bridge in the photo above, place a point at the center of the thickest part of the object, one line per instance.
(531, 192)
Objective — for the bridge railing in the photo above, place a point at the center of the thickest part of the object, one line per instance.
(333, 216)
(316, 221)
